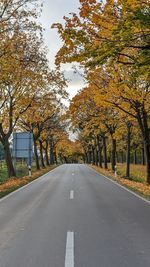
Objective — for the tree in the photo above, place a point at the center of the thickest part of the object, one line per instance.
(96, 121)
(23, 66)
(112, 39)
(69, 151)
(21, 77)
(129, 93)
(44, 112)
(116, 29)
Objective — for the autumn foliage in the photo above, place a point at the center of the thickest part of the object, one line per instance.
(30, 92)
(111, 41)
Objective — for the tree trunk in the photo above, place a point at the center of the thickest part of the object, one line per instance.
(65, 159)
(113, 154)
(8, 158)
(55, 156)
(99, 151)
(51, 154)
(135, 157)
(93, 155)
(41, 154)
(143, 156)
(36, 154)
(128, 150)
(86, 157)
(89, 157)
(46, 157)
(46, 154)
(96, 157)
(147, 155)
(105, 153)
(100, 155)
(143, 123)
(96, 151)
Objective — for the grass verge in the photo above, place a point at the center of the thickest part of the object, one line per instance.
(14, 183)
(141, 188)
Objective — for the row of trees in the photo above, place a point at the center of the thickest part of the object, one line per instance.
(105, 135)
(70, 151)
(30, 93)
(111, 41)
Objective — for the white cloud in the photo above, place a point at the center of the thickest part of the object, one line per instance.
(53, 12)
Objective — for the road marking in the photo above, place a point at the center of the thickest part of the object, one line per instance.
(69, 258)
(71, 194)
(72, 173)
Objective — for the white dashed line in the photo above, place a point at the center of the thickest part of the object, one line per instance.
(71, 194)
(69, 258)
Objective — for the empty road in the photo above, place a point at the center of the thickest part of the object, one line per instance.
(74, 217)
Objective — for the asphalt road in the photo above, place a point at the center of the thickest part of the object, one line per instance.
(73, 217)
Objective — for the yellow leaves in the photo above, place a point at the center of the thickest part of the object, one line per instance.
(133, 4)
(114, 29)
(87, 6)
(16, 182)
(107, 103)
(25, 78)
(114, 86)
(69, 149)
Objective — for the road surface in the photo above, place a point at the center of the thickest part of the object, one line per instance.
(74, 217)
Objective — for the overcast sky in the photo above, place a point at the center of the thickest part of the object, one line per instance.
(53, 12)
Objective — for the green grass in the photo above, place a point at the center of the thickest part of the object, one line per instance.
(137, 172)
(9, 185)
(21, 170)
(3, 175)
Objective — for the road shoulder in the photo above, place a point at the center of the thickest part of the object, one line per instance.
(137, 188)
(14, 184)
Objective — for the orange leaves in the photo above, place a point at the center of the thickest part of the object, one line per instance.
(29, 89)
(69, 151)
(14, 183)
(133, 4)
(115, 29)
(110, 39)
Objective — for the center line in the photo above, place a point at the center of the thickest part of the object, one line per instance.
(69, 258)
(71, 194)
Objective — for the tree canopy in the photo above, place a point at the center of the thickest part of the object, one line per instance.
(111, 41)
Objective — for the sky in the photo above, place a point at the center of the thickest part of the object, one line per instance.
(53, 12)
